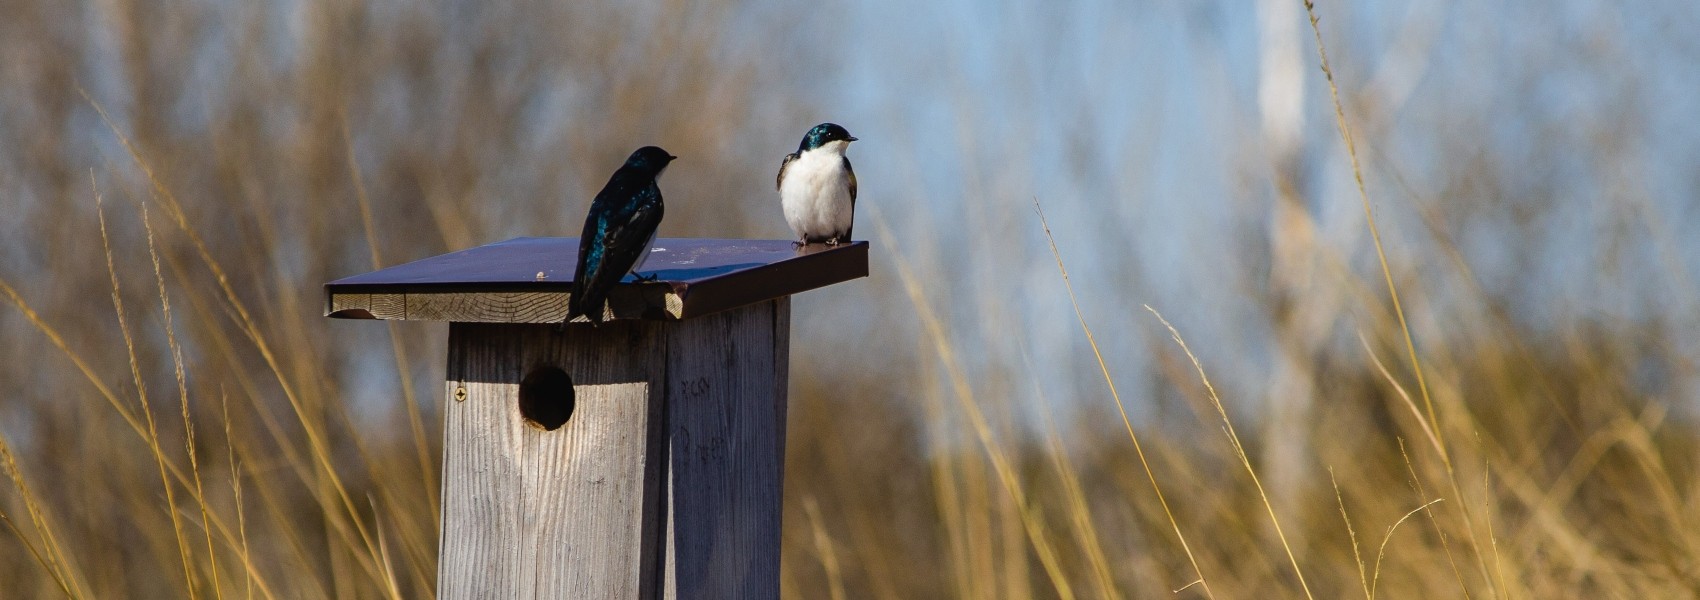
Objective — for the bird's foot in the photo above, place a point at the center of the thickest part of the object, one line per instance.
(800, 243)
(832, 241)
(646, 278)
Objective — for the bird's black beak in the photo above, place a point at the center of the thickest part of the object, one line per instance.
(850, 139)
(672, 158)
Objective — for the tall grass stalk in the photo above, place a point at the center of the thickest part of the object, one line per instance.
(1239, 448)
(147, 408)
(1381, 552)
(1001, 464)
(182, 403)
(1369, 215)
(1120, 408)
(1351, 534)
(248, 569)
(1079, 511)
(55, 561)
(315, 437)
(410, 402)
(1387, 275)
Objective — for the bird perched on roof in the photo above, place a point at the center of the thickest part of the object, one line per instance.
(817, 187)
(618, 232)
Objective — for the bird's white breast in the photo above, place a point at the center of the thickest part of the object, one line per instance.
(816, 193)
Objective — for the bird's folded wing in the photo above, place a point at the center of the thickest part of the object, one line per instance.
(779, 181)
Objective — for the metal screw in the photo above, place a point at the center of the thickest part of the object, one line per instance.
(460, 393)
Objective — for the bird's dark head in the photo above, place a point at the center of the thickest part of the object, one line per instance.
(823, 134)
(650, 158)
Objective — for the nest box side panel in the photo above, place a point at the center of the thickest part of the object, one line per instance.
(726, 422)
(535, 512)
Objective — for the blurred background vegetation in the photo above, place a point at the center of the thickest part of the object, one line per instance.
(178, 178)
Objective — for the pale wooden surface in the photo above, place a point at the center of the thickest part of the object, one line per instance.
(625, 302)
(665, 482)
(529, 513)
(726, 416)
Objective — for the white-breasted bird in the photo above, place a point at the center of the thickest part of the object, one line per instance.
(817, 187)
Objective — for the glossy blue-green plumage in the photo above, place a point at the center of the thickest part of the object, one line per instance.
(622, 223)
(821, 135)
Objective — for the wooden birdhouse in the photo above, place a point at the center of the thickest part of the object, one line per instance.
(641, 458)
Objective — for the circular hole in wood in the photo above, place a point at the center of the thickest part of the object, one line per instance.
(546, 398)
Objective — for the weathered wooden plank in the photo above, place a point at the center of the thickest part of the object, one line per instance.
(626, 302)
(604, 522)
(481, 465)
(389, 306)
(488, 307)
(781, 375)
(725, 400)
(568, 513)
(350, 305)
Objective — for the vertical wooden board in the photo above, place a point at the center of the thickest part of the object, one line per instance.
(480, 465)
(725, 455)
(552, 514)
(781, 378)
(585, 497)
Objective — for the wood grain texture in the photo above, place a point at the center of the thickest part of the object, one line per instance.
(567, 513)
(488, 307)
(726, 417)
(389, 304)
(664, 483)
(349, 305)
(782, 375)
(624, 302)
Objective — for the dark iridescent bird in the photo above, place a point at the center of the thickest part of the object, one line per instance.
(619, 231)
(817, 187)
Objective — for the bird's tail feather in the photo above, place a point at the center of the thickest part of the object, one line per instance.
(589, 305)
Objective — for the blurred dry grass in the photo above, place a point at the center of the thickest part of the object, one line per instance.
(181, 422)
